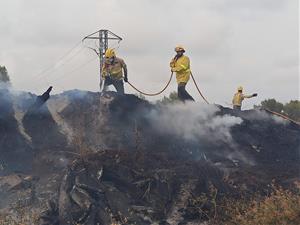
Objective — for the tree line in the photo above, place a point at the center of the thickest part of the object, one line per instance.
(290, 109)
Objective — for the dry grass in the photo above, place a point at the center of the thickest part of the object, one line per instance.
(22, 217)
(281, 207)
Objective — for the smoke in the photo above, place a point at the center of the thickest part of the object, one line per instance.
(4, 85)
(194, 122)
(259, 115)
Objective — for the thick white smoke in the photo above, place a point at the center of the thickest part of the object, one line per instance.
(194, 121)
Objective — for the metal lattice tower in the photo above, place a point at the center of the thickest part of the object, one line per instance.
(103, 36)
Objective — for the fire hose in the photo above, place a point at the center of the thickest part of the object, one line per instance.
(152, 94)
(282, 116)
(198, 89)
(168, 83)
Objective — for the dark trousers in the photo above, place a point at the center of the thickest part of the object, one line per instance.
(183, 95)
(118, 84)
(237, 107)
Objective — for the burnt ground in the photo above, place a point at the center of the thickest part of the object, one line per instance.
(83, 158)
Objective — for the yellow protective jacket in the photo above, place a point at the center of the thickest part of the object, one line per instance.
(182, 68)
(238, 98)
(115, 69)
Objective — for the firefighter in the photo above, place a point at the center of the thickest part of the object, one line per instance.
(239, 97)
(180, 64)
(112, 71)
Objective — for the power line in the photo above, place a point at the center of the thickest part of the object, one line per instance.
(64, 75)
(103, 36)
(59, 59)
(77, 68)
(59, 65)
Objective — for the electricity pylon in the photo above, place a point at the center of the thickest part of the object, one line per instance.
(103, 36)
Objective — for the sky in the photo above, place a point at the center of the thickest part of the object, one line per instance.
(252, 43)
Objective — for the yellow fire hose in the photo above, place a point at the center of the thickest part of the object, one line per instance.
(168, 83)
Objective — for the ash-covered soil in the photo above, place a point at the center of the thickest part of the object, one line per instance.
(83, 158)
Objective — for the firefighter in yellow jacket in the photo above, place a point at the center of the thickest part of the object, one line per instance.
(112, 71)
(239, 97)
(180, 64)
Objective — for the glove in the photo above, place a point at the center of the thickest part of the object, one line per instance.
(254, 95)
(172, 63)
(126, 79)
(172, 69)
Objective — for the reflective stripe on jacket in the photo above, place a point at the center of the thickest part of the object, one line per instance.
(182, 68)
(115, 69)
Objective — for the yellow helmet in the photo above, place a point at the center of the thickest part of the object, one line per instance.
(109, 53)
(179, 48)
(240, 88)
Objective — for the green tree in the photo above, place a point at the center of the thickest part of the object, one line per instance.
(292, 109)
(173, 98)
(272, 105)
(3, 75)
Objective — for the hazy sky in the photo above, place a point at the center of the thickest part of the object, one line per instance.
(253, 43)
